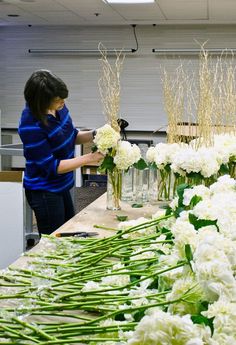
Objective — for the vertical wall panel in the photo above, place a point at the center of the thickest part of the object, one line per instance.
(141, 94)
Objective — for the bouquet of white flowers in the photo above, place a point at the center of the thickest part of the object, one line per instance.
(119, 156)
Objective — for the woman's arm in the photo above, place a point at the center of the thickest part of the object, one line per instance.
(67, 165)
(85, 137)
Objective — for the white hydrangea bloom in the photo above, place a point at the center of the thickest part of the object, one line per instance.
(126, 155)
(189, 287)
(137, 233)
(159, 328)
(224, 184)
(91, 285)
(225, 144)
(106, 138)
(186, 160)
(224, 313)
(209, 163)
(200, 190)
(184, 233)
(150, 154)
(213, 268)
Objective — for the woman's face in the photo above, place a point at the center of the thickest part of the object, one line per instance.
(57, 103)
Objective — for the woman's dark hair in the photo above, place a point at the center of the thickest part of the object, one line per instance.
(40, 90)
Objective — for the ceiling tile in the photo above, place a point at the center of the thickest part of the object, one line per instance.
(139, 12)
(222, 10)
(184, 9)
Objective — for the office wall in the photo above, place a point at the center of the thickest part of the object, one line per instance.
(141, 93)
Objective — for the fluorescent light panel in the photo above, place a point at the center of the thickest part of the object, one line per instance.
(129, 1)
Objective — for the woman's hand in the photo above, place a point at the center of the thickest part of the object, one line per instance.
(93, 158)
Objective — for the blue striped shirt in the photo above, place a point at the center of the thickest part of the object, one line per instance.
(44, 148)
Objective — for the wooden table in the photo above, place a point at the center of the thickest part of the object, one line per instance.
(96, 213)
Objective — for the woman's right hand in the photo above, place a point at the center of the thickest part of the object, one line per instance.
(94, 158)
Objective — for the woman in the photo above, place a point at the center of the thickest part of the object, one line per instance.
(49, 139)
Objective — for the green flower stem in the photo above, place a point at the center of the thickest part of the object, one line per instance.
(37, 330)
(19, 335)
(81, 340)
(97, 328)
(132, 309)
(104, 227)
(61, 315)
(33, 273)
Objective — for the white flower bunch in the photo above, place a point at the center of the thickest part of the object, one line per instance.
(208, 161)
(224, 314)
(190, 289)
(116, 279)
(162, 154)
(199, 190)
(106, 138)
(225, 145)
(214, 208)
(213, 268)
(186, 160)
(151, 230)
(224, 184)
(184, 233)
(126, 155)
(159, 328)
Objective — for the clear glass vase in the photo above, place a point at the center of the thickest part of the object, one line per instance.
(127, 185)
(178, 180)
(153, 186)
(114, 184)
(141, 185)
(164, 184)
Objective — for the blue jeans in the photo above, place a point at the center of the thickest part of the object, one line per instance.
(51, 209)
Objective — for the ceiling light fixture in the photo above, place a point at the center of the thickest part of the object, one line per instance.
(78, 51)
(86, 51)
(129, 1)
(193, 51)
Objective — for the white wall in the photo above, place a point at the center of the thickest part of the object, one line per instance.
(141, 96)
(12, 226)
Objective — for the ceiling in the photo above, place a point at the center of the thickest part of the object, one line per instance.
(97, 12)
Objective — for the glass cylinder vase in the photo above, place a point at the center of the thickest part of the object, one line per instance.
(127, 185)
(153, 186)
(114, 184)
(164, 184)
(141, 183)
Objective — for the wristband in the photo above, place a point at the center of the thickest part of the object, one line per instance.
(94, 132)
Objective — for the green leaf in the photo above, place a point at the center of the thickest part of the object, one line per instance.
(94, 148)
(200, 319)
(152, 165)
(107, 164)
(141, 164)
(224, 169)
(195, 175)
(121, 218)
(134, 278)
(199, 223)
(137, 205)
(120, 317)
(180, 192)
(154, 284)
(188, 252)
(167, 168)
(138, 315)
(194, 201)
(177, 211)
